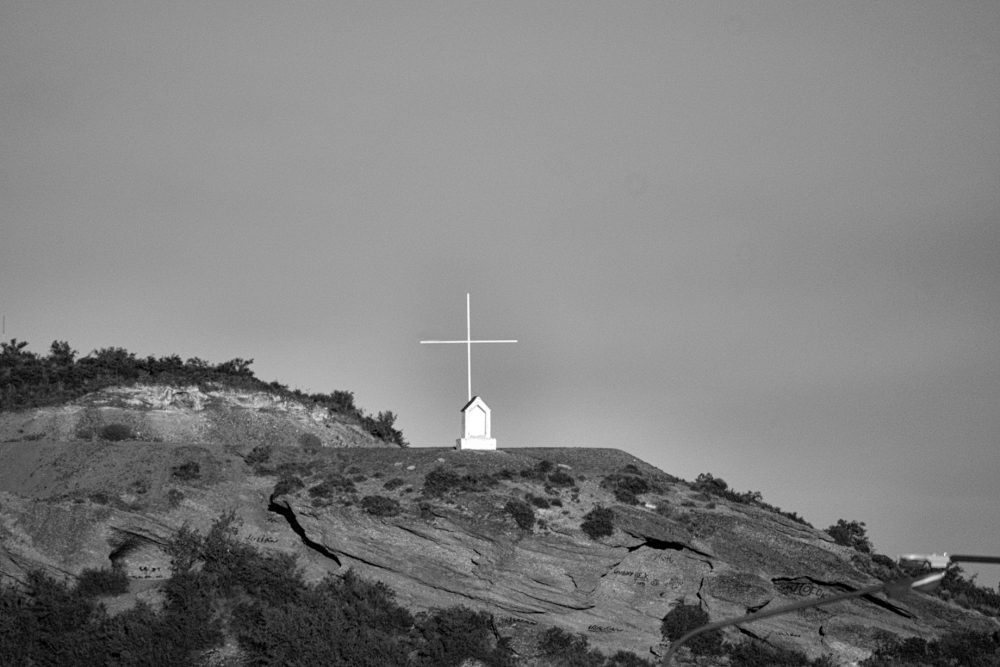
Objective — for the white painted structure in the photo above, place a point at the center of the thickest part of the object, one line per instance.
(476, 426)
(475, 414)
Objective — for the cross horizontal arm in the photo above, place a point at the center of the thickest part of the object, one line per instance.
(464, 342)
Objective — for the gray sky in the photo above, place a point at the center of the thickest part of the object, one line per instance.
(760, 240)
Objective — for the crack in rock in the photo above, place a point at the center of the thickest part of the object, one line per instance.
(285, 511)
(750, 634)
(805, 589)
(664, 545)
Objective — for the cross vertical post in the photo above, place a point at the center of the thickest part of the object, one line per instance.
(468, 340)
(468, 343)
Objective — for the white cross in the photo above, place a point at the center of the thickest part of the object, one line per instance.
(468, 341)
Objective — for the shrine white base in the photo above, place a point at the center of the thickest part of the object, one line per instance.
(476, 443)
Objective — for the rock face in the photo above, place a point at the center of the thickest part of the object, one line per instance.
(239, 419)
(439, 526)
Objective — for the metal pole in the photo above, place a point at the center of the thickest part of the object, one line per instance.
(892, 588)
(468, 341)
(975, 559)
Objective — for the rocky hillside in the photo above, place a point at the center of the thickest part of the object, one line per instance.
(108, 479)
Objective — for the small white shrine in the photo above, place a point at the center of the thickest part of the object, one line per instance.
(475, 414)
(476, 426)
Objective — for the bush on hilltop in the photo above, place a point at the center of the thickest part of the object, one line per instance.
(28, 380)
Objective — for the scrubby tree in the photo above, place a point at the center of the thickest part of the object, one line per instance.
(684, 618)
(851, 534)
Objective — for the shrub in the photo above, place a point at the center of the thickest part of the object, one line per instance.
(322, 490)
(116, 432)
(562, 649)
(539, 471)
(264, 604)
(380, 506)
(294, 468)
(174, 498)
(851, 534)
(187, 471)
(964, 592)
(100, 497)
(686, 617)
(31, 380)
(393, 483)
(539, 502)
(441, 481)
(524, 515)
(382, 427)
(460, 636)
(310, 441)
(92, 583)
(332, 484)
(258, 456)
(759, 654)
(287, 485)
(627, 659)
(598, 522)
(626, 487)
(709, 484)
(879, 566)
(715, 486)
(560, 478)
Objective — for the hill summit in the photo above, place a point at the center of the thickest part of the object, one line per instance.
(591, 544)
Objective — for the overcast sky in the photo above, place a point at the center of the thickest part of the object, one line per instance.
(760, 240)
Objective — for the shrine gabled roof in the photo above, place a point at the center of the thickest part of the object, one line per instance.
(475, 399)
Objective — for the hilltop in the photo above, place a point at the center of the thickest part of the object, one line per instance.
(591, 541)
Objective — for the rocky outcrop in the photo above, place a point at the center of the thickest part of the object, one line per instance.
(616, 590)
(442, 533)
(156, 413)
